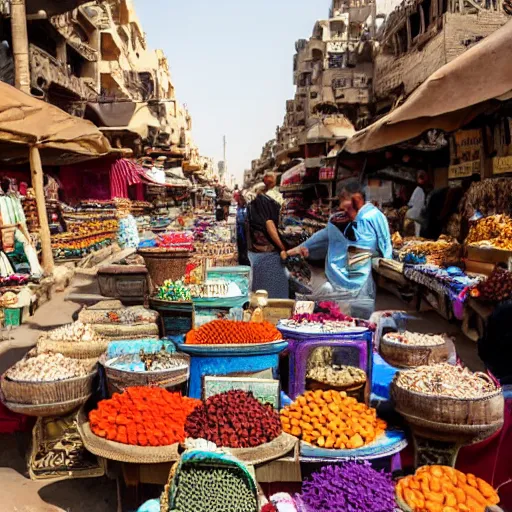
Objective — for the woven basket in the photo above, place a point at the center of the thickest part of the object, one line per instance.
(122, 452)
(44, 393)
(119, 380)
(267, 452)
(125, 332)
(401, 355)
(445, 419)
(47, 410)
(165, 265)
(75, 349)
(405, 508)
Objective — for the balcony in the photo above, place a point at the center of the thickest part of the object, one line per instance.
(46, 71)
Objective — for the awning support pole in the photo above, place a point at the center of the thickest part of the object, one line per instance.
(36, 170)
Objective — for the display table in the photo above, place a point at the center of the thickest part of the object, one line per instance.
(224, 360)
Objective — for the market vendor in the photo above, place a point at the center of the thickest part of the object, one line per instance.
(418, 201)
(349, 245)
(267, 252)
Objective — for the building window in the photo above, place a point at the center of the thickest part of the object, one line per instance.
(415, 21)
(336, 60)
(313, 95)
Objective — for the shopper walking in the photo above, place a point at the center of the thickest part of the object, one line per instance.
(267, 252)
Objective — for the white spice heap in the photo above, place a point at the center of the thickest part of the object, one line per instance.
(46, 368)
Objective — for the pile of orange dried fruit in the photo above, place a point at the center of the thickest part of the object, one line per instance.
(220, 332)
(444, 489)
(331, 419)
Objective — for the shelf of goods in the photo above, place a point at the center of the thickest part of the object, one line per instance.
(86, 232)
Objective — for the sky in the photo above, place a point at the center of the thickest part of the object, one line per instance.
(231, 63)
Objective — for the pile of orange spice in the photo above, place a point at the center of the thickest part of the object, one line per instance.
(143, 416)
(220, 332)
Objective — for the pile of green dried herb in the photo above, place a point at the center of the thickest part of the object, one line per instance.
(213, 490)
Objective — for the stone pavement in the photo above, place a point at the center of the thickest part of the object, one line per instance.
(19, 493)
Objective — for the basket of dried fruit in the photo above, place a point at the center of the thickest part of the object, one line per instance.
(75, 340)
(331, 424)
(445, 489)
(121, 430)
(47, 384)
(239, 421)
(409, 350)
(448, 403)
(165, 369)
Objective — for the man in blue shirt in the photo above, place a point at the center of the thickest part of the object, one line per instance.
(348, 248)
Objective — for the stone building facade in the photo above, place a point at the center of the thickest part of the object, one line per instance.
(92, 60)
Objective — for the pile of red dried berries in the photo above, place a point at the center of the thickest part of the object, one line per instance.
(234, 420)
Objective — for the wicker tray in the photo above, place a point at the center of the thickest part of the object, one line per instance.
(405, 508)
(47, 410)
(276, 449)
(119, 380)
(401, 355)
(122, 452)
(75, 349)
(124, 331)
(44, 393)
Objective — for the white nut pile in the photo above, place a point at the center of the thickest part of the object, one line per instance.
(76, 331)
(327, 327)
(337, 375)
(416, 339)
(446, 380)
(46, 368)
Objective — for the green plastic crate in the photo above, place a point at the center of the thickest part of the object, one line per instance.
(12, 317)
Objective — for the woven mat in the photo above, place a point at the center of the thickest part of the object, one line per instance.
(122, 452)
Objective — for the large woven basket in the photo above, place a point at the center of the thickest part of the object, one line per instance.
(450, 419)
(165, 265)
(123, 452)
(47, 410)
(119, 380)
(124, 332)
(401, 355)
(44, 393)
(74, 349)
(267, 452)
(405, 508)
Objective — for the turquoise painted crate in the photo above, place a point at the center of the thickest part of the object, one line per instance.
(242, 276)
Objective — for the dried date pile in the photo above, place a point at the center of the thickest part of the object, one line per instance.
(496, 288)
(235, 419)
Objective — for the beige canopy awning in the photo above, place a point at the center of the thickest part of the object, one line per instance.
(35, 131)
(450, 98)
(60, 137)
(332, 128)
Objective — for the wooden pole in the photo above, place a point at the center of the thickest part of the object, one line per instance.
(36, 169)
(20, 45)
